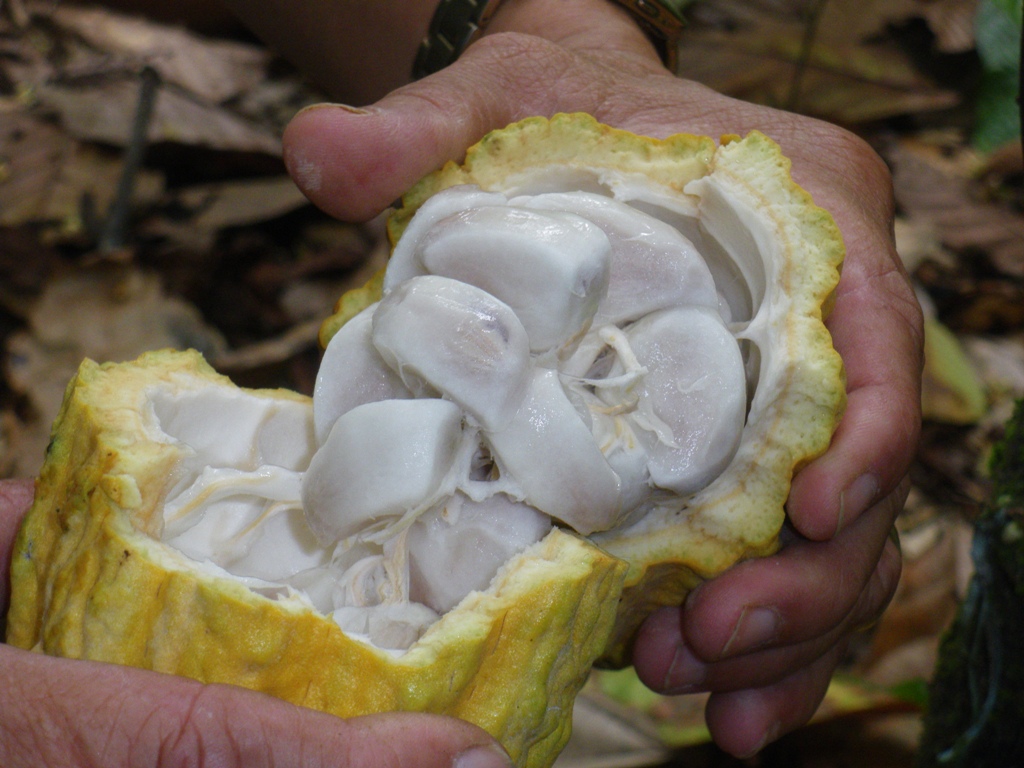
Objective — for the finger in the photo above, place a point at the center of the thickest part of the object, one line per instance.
(803, 592)
(669, 665)
(877, 328)
(63, 712)
(769, 617)
(355, 162)
(743, 722)
(15, 499)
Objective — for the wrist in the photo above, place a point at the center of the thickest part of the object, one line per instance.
(580, 25)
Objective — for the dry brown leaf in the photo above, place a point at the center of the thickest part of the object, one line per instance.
(838, 19)
(83, 65)
(25, 264)
(1000, 363)
(303, 299)
(918, 242)
(969, 302)
(1004, 162)
(951, 390)
(296, 339)
(203, 210)
(756, 55)
(608, 735)
(952, 22)
(933, 188)
(888, 742)
(11, 443)
(236, 203)
(934, 555)
(102, 314)
(45, 175)
(104, 111)
(211, 70)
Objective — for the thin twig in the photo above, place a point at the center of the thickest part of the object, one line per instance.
(812, 19)
(115, 228)
(296, 339)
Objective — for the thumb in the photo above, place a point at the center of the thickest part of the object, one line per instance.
(354, 162)
(79, 713)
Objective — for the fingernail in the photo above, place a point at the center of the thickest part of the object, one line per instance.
(334, 105)
(894, 537)
(858, 496)
(686, 673)
(482, 757)
(307, 172)
(755, 628)
(769, 736)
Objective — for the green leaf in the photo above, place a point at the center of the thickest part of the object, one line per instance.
(913, 691)
(997, 33)
(996, 115)
(997, 28)
(625, 687)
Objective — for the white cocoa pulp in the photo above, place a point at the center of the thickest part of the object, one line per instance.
(562, 358)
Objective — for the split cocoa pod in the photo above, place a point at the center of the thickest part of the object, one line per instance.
(581, 386)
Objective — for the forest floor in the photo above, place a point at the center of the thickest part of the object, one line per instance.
(215, 249)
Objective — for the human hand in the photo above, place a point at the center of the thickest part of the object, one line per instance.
(767, 669)
(60, 712)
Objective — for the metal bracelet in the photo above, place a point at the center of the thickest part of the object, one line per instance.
(455, 25)
(663, 22)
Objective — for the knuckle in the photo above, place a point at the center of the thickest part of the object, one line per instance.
(873, 172)
(503, 45)
(202, 734)
(879, 590)
(364, 747)
(543, 75)
(532, 59)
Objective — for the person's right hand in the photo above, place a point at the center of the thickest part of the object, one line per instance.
(61, 712)
(764, 637)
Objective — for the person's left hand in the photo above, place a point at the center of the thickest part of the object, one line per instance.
(15, 499)
(82, 714)
(766, 636)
